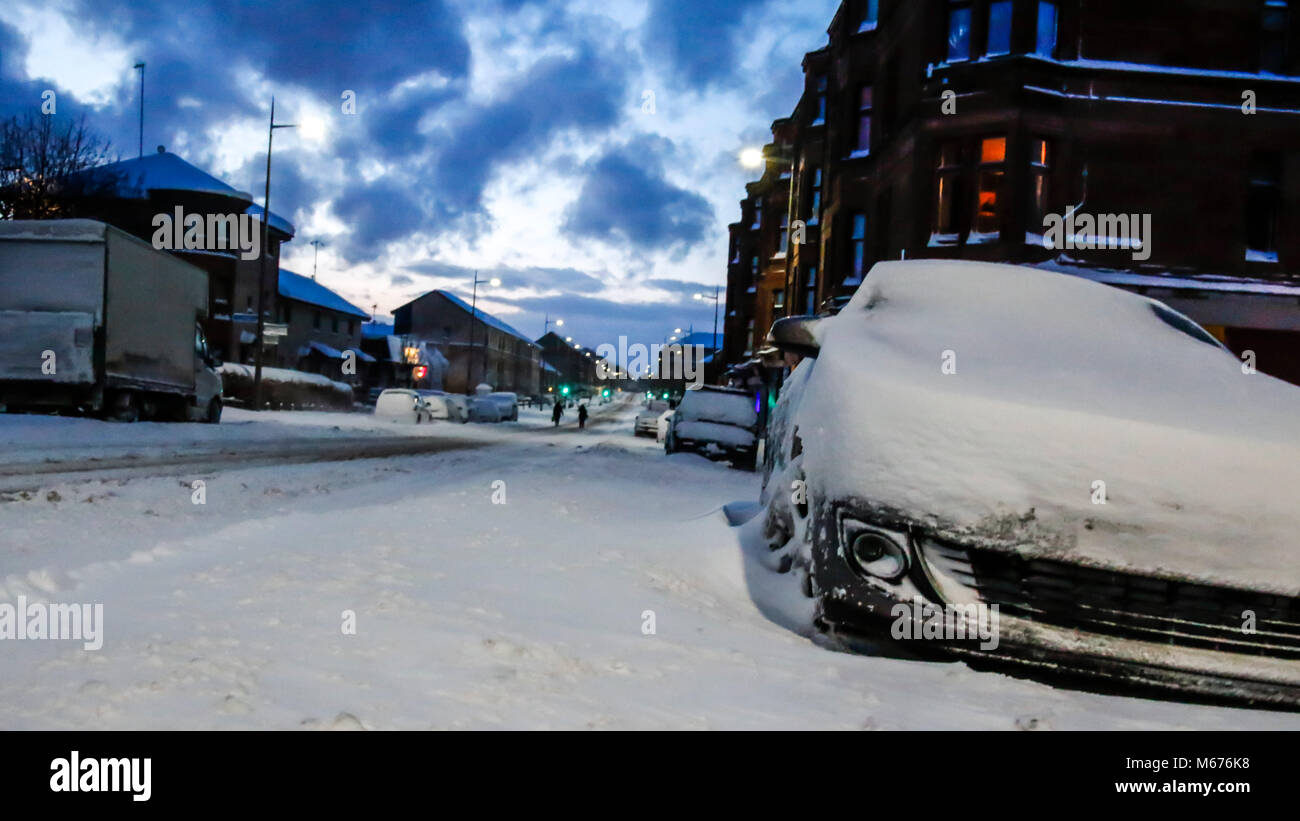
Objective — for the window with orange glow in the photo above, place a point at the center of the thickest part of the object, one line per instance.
(992, 172)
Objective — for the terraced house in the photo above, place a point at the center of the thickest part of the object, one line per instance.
(1076, 135)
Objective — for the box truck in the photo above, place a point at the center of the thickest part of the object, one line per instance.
(94, 320)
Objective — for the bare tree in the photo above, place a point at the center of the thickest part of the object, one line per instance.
(39, 161)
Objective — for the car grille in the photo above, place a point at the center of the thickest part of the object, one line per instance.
(1125, 605)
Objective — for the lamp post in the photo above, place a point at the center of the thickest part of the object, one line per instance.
(261, 274)
(541, 360)
(717, 299)
(473, 316)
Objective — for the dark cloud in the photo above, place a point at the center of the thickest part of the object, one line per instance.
(580, 93)
(376, 213)
(697, 39)
(626, 200)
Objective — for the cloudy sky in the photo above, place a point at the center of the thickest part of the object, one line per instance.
(583, 151)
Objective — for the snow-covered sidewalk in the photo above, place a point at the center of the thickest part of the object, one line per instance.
(575, 581)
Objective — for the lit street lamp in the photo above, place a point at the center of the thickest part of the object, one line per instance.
(717, 299)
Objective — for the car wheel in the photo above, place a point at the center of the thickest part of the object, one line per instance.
(213, 415)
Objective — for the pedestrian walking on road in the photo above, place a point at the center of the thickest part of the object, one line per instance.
(582, 416)
(556, 413)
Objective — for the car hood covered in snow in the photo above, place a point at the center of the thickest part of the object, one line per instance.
(990, 402)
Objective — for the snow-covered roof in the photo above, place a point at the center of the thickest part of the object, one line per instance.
(321, 348)
(305, 289)
(376, 330)
(362, 355)
(136, 178)
(708, 340)
(484, 317)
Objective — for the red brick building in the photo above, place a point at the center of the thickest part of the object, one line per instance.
(953, 128)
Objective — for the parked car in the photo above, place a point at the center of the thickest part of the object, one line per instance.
(443, 406)
(1094, 464)
(647, 421)
(483, 409)
(507, 405)
(457, 407)
(665, 419)
(715, 421)
(403, 405)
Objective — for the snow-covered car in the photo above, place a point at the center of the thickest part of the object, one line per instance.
(665, 419)
(1099, 467)
(483, 409)
(402, 405)
(507, 405)
(445, 406)
(712, 420)
(647, 421)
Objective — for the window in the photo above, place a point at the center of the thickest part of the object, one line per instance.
(864, 123)
(947, 187)
(999, 34)
(1045, 45)
(286, 314)
(1263, 202)
(315, 320)
(753, 267)
(810, 293)
(758, 215)
(749, 336)
(1039, 179)
(815, 208)
(958, 31)
(992, 170)
(1273, 40)
(870, 15)
(349, 327)
(784, 243)
(821, 100)
(858, 250)
(334, 324)
(778, 301)
(735, 251)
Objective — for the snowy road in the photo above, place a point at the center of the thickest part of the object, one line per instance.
(505, 580)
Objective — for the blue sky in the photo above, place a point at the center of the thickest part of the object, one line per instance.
(515, 137)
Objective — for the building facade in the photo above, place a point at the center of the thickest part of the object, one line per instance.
(479, 348)
(965, 128)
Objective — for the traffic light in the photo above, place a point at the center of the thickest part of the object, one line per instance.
(564, 391)
(419, 372)
(605, 392)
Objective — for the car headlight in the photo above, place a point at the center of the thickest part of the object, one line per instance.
(874, 552)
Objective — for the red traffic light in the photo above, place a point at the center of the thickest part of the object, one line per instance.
(419, 372)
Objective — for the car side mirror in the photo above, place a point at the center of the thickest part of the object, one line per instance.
(795, 334)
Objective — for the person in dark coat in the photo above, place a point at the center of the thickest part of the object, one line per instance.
(556, 413)
(582, 416)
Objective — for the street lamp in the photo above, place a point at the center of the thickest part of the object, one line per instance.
(473, 315)
(261, 276)
(541, 361)
(717, 298)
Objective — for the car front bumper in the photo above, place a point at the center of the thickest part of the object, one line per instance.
(1054, 617)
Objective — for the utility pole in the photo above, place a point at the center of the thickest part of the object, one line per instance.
(261, 274)
(315, 245)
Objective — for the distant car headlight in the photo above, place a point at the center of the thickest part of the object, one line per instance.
(877, 554)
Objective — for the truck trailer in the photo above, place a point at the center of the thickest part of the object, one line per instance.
(94, 320)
